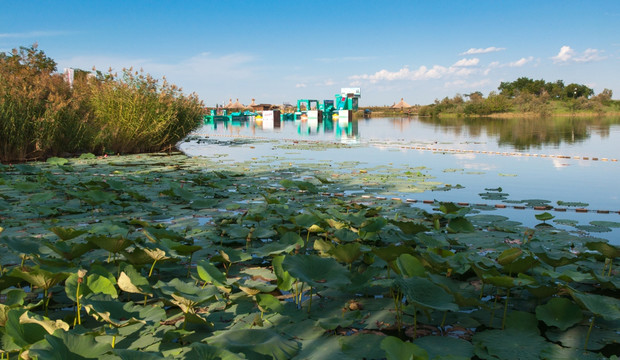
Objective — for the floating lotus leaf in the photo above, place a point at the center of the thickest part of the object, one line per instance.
(559, 312)
(315, 270)
(574, 337)
(301, 185)
(68, 346)
(347, 253)
(608, 250)
(306, 220)
(423, 292)
(345, 235)
(209, 273)
(604, 306)
(391, 252)
(396, 349)
(140, 355)
(509, 255)
(70, 251)
(113, 244)
(410, 266)
(593, 228)
(361, 346)
(573, 204)
(22, 246)
(557, 352)
(409, 227)
(256, 341)
(268, 302)
(56, 161)
(510, 344)
(39, 277)
(287, 243)
(609, 224)
(373, 225)
(460, 225)
(208, 352)
(445, 347)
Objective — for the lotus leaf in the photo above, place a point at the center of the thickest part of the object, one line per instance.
(208, 272)
(21, 335)
(285, 280)
(445, 347)
(316, 271)
(559, 312)
(132, 282)
(510, 344)
(396, 349)
(347, 253)
(363, 346)
(460, 225)
(268, 302)
(608, 250)
(287, 243)
(68, 346)
(410, 266)
(39, 277)
(604, 306)
(426, 294)
(256, 341)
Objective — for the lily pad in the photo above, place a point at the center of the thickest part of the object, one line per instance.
(559, 312)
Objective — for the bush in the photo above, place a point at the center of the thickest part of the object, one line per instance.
(41, 115)
(134, 114)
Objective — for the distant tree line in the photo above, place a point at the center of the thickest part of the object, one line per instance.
(526, 95)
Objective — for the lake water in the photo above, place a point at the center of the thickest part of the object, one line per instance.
(572, 163)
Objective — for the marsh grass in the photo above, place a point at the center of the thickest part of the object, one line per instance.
(41, 115)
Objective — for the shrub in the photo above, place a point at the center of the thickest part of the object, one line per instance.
(41, 115)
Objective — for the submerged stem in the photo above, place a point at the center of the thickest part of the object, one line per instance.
(310, 301)
(493, 311)
(505, 308)
(585, 345)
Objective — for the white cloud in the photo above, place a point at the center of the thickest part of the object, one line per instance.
(300, 85)
(565, 54)
(328, 82)
(590, 55)
(483, 51)
(467, 62)
(461, 68)
(520, 62)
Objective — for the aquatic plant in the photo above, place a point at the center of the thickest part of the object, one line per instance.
(155, 256)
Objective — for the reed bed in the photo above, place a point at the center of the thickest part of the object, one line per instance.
(41, 115)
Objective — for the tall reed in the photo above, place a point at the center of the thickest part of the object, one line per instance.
(41, 115)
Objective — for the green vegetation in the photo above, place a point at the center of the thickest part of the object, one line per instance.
(42, 115)
(163, 256)
(527, 96)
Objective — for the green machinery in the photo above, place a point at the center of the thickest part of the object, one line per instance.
(348, 99)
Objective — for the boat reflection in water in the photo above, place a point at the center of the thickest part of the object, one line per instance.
(340, 130)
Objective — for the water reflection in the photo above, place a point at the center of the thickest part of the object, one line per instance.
(578, 135)
(525, 133)
(343, 130)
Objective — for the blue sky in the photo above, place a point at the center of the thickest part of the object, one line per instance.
(281, 51)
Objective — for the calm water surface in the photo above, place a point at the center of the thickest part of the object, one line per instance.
(453, 153)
